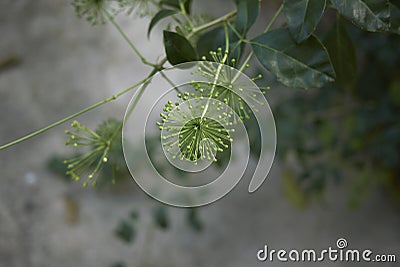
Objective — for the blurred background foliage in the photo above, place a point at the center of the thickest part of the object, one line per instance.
(347, 131)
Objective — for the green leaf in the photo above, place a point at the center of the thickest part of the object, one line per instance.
(343, 55)
(159, 16)
(160, 217)
(302, 65)
(370, 15)
(303, 16)
(178, 48)
(394, 19)
(247, 13)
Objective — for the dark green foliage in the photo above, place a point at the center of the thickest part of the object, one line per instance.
(354, 136)
(247, 13)
(342, 53)
(304, 65)
(370, 15)
(178, 48)
(211, 41)
(246, 16)
(303, 17)
(394, 19)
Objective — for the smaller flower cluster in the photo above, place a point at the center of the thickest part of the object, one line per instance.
(96, 11)
(141, 7)
(99, 141)
(91, 10)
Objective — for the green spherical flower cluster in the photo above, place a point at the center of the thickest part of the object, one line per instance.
(141, 7)
(202, 138)
(96, 11)
(187, 135)
(204, 126)
(101, 142)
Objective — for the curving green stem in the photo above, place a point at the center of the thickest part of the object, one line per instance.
(251, 54)
(212, 23)
(184, 13)
(218, 69)
(123, 34)
(156, 68)
(274, 18)
(104, 101)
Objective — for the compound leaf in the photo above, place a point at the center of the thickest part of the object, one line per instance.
(302, 65)
(303, 16)
(370, 15)
(247, 13)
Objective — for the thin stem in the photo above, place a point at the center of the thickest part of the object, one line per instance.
(171, 83)
(212, 23)
(104, 101)
(144, 86)
(184, 13)
(274, 18)
(238, 35)
(119, 29)
(251, 54)
(26, 137)
(218, 70)
(156, 68)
